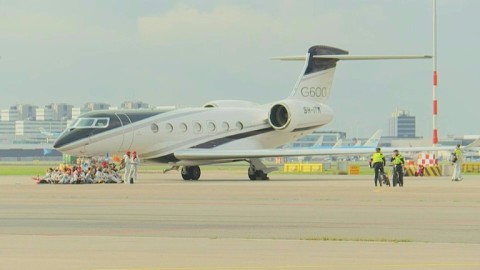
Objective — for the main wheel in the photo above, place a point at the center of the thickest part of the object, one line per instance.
(256, 174)
(186, 173)
(252, 173)
(195, 172)
(261, 175)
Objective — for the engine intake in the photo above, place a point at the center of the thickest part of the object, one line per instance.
(290, 114)
(279, 116)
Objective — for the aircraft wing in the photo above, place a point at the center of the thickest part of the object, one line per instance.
(213, 154)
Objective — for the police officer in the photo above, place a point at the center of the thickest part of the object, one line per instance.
(457, 176)
(398, 163)
(377, 161)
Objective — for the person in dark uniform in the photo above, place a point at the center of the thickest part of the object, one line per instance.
(377, 161)
(398, 163)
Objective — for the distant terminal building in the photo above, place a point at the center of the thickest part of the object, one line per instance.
(94, 106)
(38, 131)
(402, 124)
(44, 114)
(61, 111)
(53, 112)
(10, 114)
(7, 131)
(26, 111)
(77, 111)
(129, 105)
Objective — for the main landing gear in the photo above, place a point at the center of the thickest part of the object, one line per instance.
(191, 172)
(254, 174)
(258, 170)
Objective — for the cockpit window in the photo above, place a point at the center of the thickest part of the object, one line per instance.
(73, 124)
(85, 122)
(101, 122)
(91, 123)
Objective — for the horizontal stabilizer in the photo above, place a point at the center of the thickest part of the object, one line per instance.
(352, 57)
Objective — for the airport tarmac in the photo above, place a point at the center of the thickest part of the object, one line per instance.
(226, 222)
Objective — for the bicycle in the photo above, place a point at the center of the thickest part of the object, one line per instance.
(384, 178)
(395, 176)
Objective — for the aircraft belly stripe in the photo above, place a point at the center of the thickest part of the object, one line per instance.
(306, 128)
(211, 144)
(227, 139)
(167, 150)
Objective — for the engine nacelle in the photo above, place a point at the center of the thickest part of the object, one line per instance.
(291, 114)
(230, 104)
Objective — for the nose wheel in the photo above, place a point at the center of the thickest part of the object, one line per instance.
(191, 172)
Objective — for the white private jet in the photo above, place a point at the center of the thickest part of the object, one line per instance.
(221, 131)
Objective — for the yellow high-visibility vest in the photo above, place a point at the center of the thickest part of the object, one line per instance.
(397, 160)
(377, 157)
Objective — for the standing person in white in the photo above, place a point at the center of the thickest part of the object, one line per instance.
(127, 163)
(134, 161)
(457, 165)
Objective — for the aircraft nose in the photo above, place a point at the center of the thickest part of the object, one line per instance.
(61, 141)
(67, 137)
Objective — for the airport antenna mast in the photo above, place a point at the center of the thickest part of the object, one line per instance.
(435, 76)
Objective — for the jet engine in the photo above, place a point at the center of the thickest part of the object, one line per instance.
(290, 114)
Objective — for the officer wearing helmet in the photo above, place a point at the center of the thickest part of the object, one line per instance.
(377, 162)
(398, 163)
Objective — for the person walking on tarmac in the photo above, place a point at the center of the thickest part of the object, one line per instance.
(398, 163)
(457, 164)
(377, 161)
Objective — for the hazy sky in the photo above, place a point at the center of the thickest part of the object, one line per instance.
(192, 52)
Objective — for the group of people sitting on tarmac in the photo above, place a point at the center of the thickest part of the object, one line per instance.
(93, 171)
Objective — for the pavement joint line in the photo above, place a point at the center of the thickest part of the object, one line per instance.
(329, 266)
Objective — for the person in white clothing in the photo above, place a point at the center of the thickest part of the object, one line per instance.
(126, 163)
(66, 177)
(134, 161)
(78, 176)
(99, 177)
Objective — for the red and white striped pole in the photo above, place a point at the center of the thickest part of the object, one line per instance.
(435, 77)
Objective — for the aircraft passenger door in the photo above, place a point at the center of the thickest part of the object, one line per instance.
(127, 134)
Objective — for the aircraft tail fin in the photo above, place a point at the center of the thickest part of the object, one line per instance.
(338, 143)
(315, 81)
(316, 78)
(374, 140)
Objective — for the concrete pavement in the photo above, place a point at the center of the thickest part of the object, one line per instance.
(225, 222)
